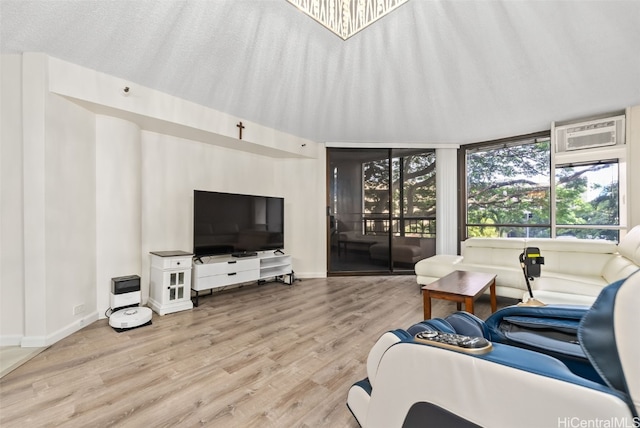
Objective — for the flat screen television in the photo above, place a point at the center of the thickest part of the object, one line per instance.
(231, 223)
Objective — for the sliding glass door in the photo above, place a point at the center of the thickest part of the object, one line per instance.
(414, 207)
(358, 209)
(381, 209)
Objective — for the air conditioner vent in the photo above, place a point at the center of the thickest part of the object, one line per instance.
(585, 139)
(589, 135)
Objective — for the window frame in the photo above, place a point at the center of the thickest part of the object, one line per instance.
(591, 157)
(462, 176)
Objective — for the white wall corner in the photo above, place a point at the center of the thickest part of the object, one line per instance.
(34, 91)
(447, 201)
(50, 339)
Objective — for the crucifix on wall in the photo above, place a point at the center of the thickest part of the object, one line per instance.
(240, 128)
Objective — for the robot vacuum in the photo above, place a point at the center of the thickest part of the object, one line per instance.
(128, 318)
(125, 298)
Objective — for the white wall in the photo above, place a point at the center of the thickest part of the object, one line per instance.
(447, 201)
(34, 97)
(303, 185)
(11, 214)
(108, 178)
(56, 180)
(70, 217)
(118, 204)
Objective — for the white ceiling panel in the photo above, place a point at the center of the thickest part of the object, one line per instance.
(431, 71)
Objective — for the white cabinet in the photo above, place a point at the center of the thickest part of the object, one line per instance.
(216, 272)
(170, 281)
(222, 271)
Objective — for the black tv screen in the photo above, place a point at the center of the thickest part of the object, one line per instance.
(230, 223)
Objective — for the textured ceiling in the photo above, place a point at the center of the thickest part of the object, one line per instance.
(429, 72)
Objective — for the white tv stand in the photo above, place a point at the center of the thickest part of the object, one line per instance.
(221, 271)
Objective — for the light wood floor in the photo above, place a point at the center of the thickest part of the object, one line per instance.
(12, 357)
(271, 355)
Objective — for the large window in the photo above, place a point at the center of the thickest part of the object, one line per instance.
(509, 193)
(587, 196)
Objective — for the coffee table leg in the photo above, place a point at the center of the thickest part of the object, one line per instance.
(494, 302)
(459, 306)
(468, 304)
(426, 302)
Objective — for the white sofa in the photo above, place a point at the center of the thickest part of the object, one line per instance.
(574, 272)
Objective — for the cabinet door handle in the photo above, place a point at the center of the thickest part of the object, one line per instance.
(231, 274)
(232, 262)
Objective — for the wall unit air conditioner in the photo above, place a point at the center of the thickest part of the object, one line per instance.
(590, 135)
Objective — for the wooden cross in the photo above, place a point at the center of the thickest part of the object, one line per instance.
(240, 128)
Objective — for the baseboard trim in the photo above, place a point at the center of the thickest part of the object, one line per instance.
(43, 341)
(310, 275)
(10, 340)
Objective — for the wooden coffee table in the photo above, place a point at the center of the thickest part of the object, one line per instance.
(461, 287)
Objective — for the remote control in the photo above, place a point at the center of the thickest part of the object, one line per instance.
(456, 342)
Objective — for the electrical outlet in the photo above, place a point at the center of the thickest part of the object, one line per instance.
(78, 309)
